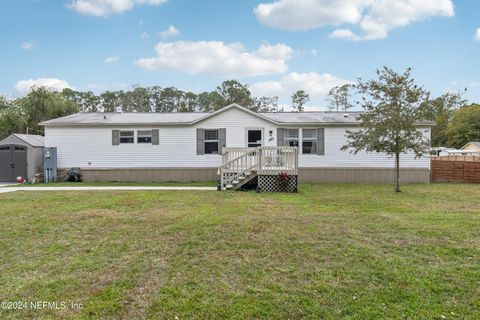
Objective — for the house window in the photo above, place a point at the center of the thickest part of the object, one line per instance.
(211, 141)
(127, 137)
(144, 136)
(309, 141)
(291, 137)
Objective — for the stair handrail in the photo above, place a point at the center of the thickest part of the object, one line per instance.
(243, 155)
(226, 180)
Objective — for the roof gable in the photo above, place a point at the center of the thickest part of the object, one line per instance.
(238, 107)
(32, 140)
(475, 143)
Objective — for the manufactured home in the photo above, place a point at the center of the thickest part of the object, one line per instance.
(193, 146)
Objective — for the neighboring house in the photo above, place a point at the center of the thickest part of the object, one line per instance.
(21, 155)
(187, 146)
(456, 152)
(472, 146)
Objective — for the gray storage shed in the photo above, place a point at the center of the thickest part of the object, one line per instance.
(21, 155)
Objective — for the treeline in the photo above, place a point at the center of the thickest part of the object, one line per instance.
(40, 104)
(457, 122)
(171, 99)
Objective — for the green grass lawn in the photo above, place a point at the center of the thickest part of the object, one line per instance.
(330, 251)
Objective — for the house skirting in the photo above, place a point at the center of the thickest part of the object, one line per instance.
(305, 175)
(146, 174)
(363, 175)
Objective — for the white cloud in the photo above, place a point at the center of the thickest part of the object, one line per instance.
(24, 86)
(314, 52)
(315, 84)
(110, 60)
(144, 35)
(170, 32)
(375, 18)
(344, 34)
(477, 35)
(27, 45)
(102, 8)
(217, 58)
(277, 51)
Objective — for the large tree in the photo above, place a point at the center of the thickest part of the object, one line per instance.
(11, 120)
(264, 104)
(339, 98)
(299, 99)
(232, 91)
(441, 111)
(42, 104)
(465, 126)
(391, 118)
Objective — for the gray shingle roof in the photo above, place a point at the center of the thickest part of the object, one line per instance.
(186, 118)
(101, 118)
(31, 139)
(313, 117)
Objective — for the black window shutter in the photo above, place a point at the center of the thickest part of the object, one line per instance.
(115, 137)
(321, 141)
(200, 142)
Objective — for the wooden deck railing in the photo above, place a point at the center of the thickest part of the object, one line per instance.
(240, 162)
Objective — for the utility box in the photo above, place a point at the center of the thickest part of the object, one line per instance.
(50, 164)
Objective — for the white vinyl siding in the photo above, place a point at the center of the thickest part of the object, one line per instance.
(80, 145)
(335, 138)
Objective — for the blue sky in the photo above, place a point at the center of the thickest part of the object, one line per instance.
(276, 46)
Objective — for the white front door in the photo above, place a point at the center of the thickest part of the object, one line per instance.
(254, 138)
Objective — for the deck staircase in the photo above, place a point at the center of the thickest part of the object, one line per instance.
(237, 172)
(242, 165)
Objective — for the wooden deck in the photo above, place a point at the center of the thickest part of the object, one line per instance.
(240, 165)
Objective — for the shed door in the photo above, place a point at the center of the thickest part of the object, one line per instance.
(13, 162)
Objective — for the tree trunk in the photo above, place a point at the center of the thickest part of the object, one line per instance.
(397, 172)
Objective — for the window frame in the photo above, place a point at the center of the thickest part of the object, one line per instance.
(205, 141)
(143, 135)
(127, 137)
(313, 140)
(287, 140)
